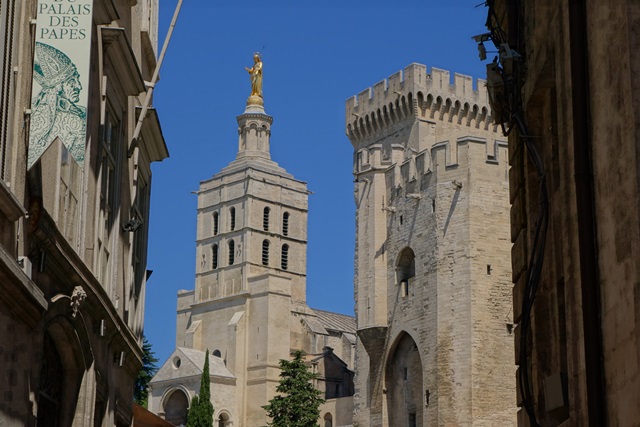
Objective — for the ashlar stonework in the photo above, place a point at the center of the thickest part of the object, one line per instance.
(432, 264)
(249, 303)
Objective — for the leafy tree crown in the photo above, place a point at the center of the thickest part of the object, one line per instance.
(298, 404)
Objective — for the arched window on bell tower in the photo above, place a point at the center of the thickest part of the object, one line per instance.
(284, 262)
(265, 252)
(232, 219)
(215, 223)
(214, 257)
(265, 219)
(232, 252)
(285, 224)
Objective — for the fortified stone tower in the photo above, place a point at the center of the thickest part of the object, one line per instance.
(432, 270)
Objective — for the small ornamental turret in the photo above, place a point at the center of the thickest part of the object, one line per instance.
(256, 81)
(254, 125)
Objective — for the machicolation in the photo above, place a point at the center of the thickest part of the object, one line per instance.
(413, 92)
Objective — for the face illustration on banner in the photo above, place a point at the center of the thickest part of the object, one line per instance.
(55, 109)
(60, 77)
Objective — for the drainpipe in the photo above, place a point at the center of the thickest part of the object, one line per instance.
(589, 274)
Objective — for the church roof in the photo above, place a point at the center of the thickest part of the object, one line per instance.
(187, 362)
(336, 321)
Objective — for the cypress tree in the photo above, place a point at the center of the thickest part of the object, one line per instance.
(298, 404)
(201, 410)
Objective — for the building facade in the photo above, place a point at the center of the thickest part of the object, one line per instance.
(432, 270)
(74, 207)
(249, 303)
(574, 181)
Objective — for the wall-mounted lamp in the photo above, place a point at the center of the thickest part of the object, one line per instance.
(132, 225)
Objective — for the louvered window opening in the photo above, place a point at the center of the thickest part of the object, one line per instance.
(214, 257)
(285, 257)
(232, 250)
(265, 219)
(265, 252)
(215, 223)
(285, 224)
(232, 211)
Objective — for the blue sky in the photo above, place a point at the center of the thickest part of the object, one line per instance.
(315, 57)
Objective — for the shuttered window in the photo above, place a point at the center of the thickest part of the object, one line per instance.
(214, 257)
(7, 22)
(265, 219)
(232, 212)
(284, 263)
(285, 224)
(265, 252)
(232, 250)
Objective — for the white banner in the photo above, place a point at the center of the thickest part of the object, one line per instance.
(61, 77)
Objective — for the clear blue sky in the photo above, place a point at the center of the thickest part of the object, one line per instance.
(314, 59)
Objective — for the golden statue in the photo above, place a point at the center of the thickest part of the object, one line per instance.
(256, 81)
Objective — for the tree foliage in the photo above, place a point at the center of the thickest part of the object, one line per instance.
(149, 369)
(298, 404)
(201, 409)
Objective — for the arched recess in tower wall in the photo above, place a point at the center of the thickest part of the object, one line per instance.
(403, 381)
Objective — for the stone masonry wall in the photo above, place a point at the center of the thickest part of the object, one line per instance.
(431, 175)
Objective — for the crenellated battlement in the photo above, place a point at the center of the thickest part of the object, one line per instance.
(413, 92)
(442, 155)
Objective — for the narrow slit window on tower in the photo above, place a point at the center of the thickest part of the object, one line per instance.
(265, 219)
(285, 257)
(232, 212)
(265, 252)
(215, 223)
(232, 252)
(285, 224)
(214, 257)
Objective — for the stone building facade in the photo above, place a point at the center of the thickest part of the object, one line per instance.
(432, 270)
(249, 303)
(72, 267)
(576, 83)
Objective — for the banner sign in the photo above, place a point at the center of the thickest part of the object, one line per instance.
(61, 77)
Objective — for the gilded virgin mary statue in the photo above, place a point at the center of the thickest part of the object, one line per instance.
(256, 81)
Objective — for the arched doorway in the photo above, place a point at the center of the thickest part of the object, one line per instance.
(176, 408)
(51, 378)
(66, 371)
(403, 380)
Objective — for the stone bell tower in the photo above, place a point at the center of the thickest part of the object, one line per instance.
(250, 267)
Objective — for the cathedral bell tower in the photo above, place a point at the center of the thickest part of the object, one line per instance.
(251, 250)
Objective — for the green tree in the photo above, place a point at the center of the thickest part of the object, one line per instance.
(149, 369)
(201, 410)
(298, 404)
